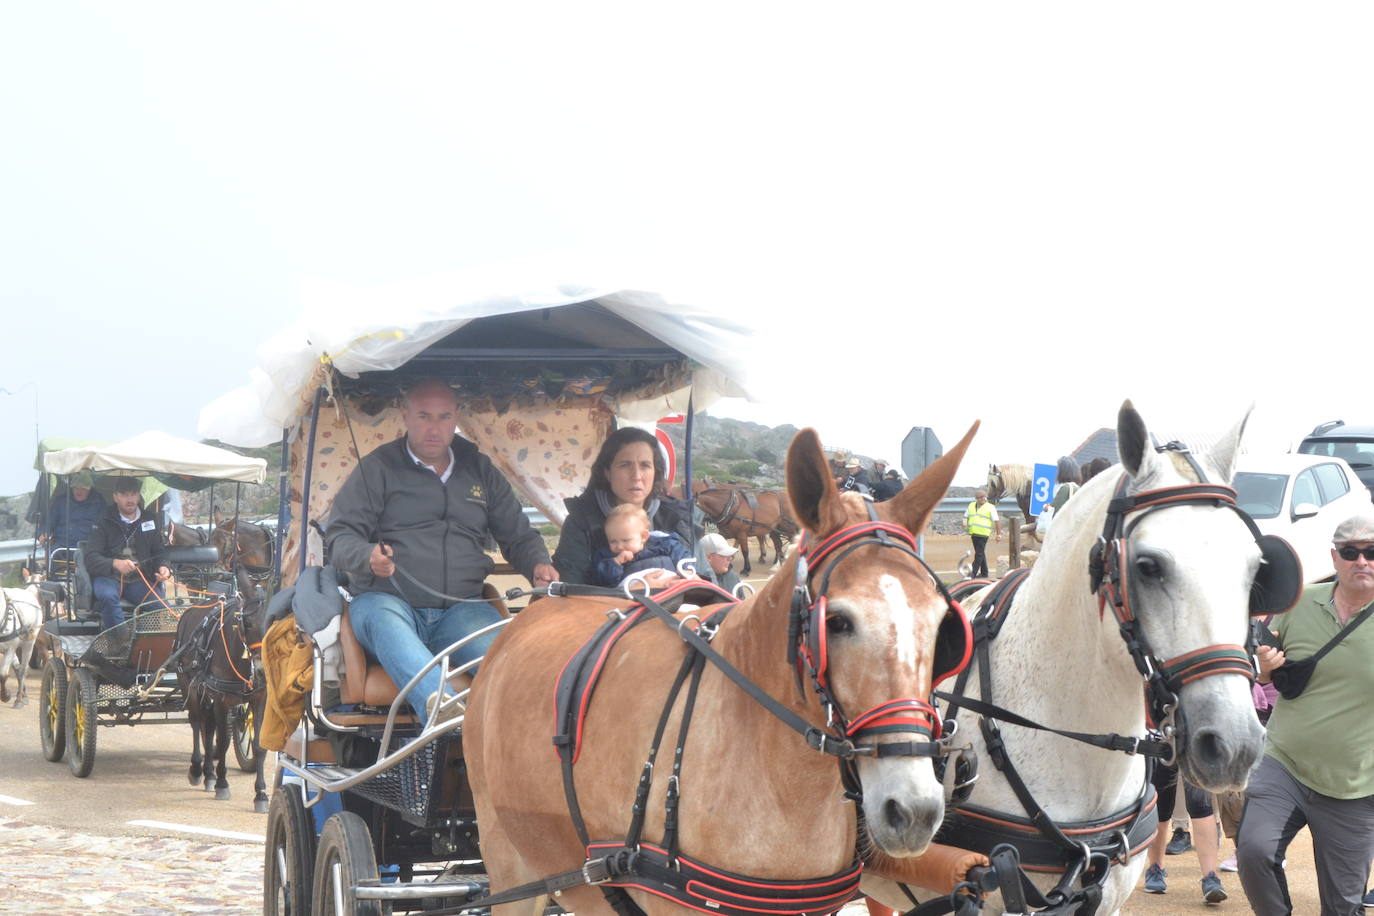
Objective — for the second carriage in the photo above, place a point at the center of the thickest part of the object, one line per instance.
(96, 676)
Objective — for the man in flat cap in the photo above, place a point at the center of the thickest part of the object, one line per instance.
(1318, 765)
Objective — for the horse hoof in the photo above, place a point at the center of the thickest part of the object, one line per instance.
(222, 794)
(260, 806)
(193, 778)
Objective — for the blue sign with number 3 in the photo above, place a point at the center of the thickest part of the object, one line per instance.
(1042, 487)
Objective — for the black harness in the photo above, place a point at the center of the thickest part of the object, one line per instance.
(10, 625)
(661, 868)
(201, 650)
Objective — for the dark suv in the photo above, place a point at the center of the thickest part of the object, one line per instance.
(1353, 443)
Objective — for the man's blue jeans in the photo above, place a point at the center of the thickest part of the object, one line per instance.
(404, 638)
(108, 592)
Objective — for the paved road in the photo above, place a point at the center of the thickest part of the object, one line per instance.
(74, 847)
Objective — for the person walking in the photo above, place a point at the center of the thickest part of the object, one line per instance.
(980, 521)
(1318, 765)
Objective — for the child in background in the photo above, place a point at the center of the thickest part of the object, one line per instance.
(633, 547)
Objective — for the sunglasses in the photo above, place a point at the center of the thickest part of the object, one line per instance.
(1350, 553)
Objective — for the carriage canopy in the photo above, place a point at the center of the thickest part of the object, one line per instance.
(177, 463)
(542, 373)
(640, 351)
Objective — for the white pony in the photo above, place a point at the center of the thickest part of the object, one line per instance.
(21, 620)
(1060, 660)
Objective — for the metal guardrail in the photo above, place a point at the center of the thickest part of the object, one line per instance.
(15, 551)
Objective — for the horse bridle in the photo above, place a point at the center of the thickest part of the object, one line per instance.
(996, 491)
(1109, 572)
(807, 651)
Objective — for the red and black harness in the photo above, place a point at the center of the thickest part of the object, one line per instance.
(661, 868)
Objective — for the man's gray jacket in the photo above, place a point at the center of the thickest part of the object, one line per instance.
(437, 530)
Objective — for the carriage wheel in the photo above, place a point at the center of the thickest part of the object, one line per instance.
(52, 709)
(345, 859)
(81, 724)
(290, 856)
(243, 737)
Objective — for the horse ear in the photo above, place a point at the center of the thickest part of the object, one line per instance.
(1224, 453)
(1132, 439)
(218, 518)
(913, 506)
(810, 486)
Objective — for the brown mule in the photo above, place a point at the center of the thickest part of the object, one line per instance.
(755, 798)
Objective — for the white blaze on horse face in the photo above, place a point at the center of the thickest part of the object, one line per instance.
(906, 635)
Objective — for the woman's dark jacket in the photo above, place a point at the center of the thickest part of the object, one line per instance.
(583, 535)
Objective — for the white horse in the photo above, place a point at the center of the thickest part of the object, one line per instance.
(21, 620)
(1060, 660)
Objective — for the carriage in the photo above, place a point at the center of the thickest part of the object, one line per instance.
(375, 809)
(371, 805)
(122, 675)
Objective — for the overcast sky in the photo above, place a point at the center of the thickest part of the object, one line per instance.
(1017, 212)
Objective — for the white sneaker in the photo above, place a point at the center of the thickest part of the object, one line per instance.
(453, 709)
(1228, 865)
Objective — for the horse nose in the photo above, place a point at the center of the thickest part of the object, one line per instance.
(905, 819)
(1223, 761)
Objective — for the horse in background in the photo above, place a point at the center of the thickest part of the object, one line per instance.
(21, 621)
(1013, 480)
(740, 513)
(247, 549)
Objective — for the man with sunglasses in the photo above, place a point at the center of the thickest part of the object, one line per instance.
(1318, 765)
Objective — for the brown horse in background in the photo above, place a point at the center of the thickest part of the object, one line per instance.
(245, 547)
(751, 786)
(740, 513)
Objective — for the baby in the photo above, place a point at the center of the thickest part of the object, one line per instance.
(634, 547)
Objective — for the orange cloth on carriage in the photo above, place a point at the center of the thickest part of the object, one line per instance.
(289, 665)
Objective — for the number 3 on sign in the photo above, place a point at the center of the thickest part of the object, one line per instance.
(1042, 486)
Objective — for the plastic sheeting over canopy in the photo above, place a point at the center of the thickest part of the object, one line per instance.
(157, 453)
(384, 329)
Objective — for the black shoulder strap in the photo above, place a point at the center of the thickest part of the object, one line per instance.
(1345, 631)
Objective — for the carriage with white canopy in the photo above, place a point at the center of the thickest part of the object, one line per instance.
(117, 676)
(542, 379)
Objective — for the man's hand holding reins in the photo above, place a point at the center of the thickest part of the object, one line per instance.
(544, 573)
(380, 561)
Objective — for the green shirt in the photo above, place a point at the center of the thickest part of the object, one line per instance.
(1325, 737)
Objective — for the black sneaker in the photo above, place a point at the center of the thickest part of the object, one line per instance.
(1212, 891)
(1181, 842)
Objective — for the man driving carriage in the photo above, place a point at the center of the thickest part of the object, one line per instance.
(125, 555)
(409, 527)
